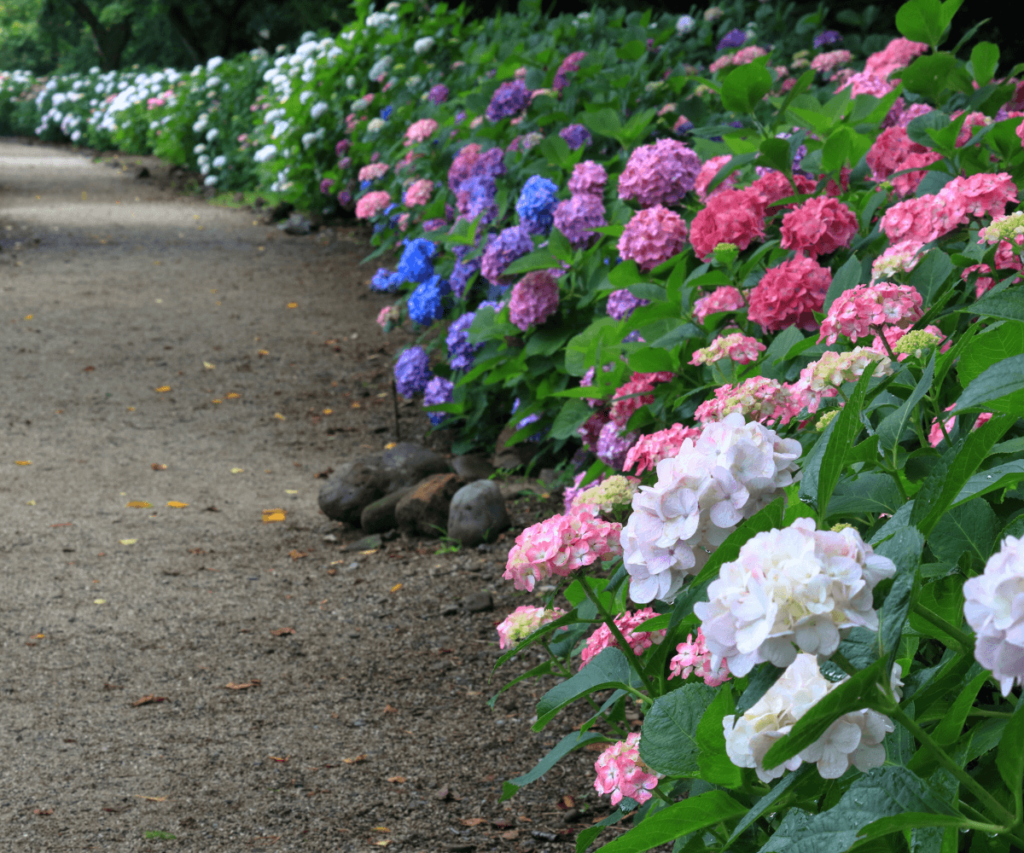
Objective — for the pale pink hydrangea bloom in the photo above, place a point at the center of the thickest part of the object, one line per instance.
(854, 312)
(708, 172)
(828, 62)
(421, 131)
(621, 773)
(834, 369)
(899, 53)
(371, 204)
(693, 658)
(588, 178)
(720, 300)
(819, 226)
(627, 623)
(652, 236)
(728, 474)
(744, 56)
(373, 171)
(388, 315)
(855, 739)
(994, 608)
(560, 545)
(661, 173)
(522, 622)
(737, 347)
(730, 216)
(935, 436)
(419, 193)
(633, 395)
(758, 398)
(898, 258)
(788, 590)
(649, 450)
(789, 294)
(534, 300)
(866, 83)
(982, 194)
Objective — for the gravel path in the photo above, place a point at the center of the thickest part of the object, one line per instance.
(163, 351)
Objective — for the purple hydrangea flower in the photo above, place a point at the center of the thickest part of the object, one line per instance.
(427, 302)
(434, 224)
(412, 371)
(536, 204)
(576, 136)
(438, 94)
(325, 185)
(438, 392)
(341, 147)
(612, 448)
(511, 97)
(534, 299)
(576, 217)
(345, 198)
(622, 303)
(475, 197)
(462, 275)
(733, 38)
(461, 353)
(828, 37)
(512, 243)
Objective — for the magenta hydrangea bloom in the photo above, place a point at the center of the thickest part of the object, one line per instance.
(511, 243)
(789, 293)
(611, 448)
(578, 216)
(819, 226)
(588, 178)
(856, 311)
(653, 236)
(694, 658)
(570, 64)
(627, 623)
(419, 193)
(534, 299)
(659, 174)
(649, 450)
(730, 216)
(634, 394)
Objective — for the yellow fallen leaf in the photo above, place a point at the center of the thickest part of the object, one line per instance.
(176, 504)
(209, 366)
(291, 491)
(99, 601)
(237, 470)
(380, 829)
(279, 416)
(163, 389)
(158, 466)
(263, 352)
(233, 396)
(138, 505)
(218, 401)
(293, 304)
(396, 587)
(131, 408)
(29, 316)
(38, 637)
(272, 515)
(384, 842)
(31, 503)
(389, 445)
(328, 411)
(22, 462)
(359, 759)
(152, 799)
(367, 553)
(357, 405)
(127, 541)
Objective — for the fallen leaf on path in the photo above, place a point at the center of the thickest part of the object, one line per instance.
(43, 812)
(127, 541)
(196, 551)
(279, 416)
(209, 366)
(109, 686)
(218, 401)
(396, 587)
(390, 709)
(280, 632)
(138, 505)
(359, 759)
(22, 462)
(176, 504)
(157, 466)
(211, 509)
(291, 491)
(398, 780)
(237, 470)
(38, 637)
(297, 555)
(245, 685)
(473, 821)
(357, 405)
(30, 503)
(384, 842)
(272, 515)
(62, 524)
(263, 352)
(367, 553)
(149, 699)
(99, 601)
(152, 799)
(293, 304)
(380, 829)
(29, 316)
(131, 408)
(390, 445)
(328, 411)
(565, 802)
(163, 389)
(233, 395)
(88, 369)
(510, 835)
(283, 760)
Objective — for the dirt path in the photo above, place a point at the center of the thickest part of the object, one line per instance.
(143, 329)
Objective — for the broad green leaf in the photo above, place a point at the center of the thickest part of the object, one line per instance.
(651, 292)
(846, 278)
(1007, 305)
(570, 418)
(1003, 378)
(869, 493)
(668, 742)
(567, 744)
(652, 360)
(984, 59)
(769, 800)
(675, 821)
(1010, 758)
(991, 346)
(625, 273)
(631, 50)
(714, 763)
(998, 477)
(949, 727)
(743, 89)
(930, 274)
(609, 670)
(603, 122)
(904, 549)
(811, 467)
(919, 20)
(836, 150)
(775, 155)
(542, 259)
(907, 821)
(971, 527)
(929, 75)
(589, 835)
(847, 428)
(891, 429)
(584, 351)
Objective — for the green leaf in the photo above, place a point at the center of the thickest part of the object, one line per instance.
(588, 836)
(984, 59)
(869, 493)
(919, 20)
(836, 150)
(890, 430)
(775, 155)
(609, 670)
(570, 418)
(675, 821)
(604, 122)
(542, 259)
(743, 89)
(998, 381)
(847, 428)
(996, 343)
(559, 245)
(668, 742)
(998, 477)
(930, 274)
(952, 722)
(768, 800)
(907, 821)
(904, 549)
(971, 527)
(714, 763)
(1010, 758)
(625, 273)
(652, 360)
(573, 740)
(1007, 305)
(929, 75)
(631, 51)
(847, 278)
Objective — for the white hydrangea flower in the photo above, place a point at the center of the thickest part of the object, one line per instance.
(854, 739)
(790, 589)
(211, 181)
(994, 608)
(212, 134)
(305, 97)
(308, 139)
(685, 24)
(318, 109)
(360, 104)
(265, 153)
(220, 161)
(350, 82)
(422, 45)
(375, 125)
(732, 471)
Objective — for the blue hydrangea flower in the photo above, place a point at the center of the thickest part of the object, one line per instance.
(536, 204)
(412, 371)
(576, 135)
(475, 197)
(415, 265)
(365, 185)
(386, 113)
(427, 302)
(438, 392)
(461, 353)
(525, 422)
(828, 37)
(385, 281)
(733, 38)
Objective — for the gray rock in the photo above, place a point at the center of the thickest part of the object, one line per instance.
(477, 513)
(352, 487)
(379, 516)
(472, 467)
(297, 225)
(406, 464)
(367, 543)
(424, 510)
(479, 602)
(449, 610)
(513, 456)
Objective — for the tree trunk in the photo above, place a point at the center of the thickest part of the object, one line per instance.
(110, 41)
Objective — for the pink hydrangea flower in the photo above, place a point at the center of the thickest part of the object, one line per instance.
(730, 216)
(649, 450)
(854, 312)
(893, 151)
(421, 131)
(826, 63)
(1005, 259)
(659, 174)
(720, 300)
(612, 446)
(621, 773)
(652, 236)
(633, 395)
(523, 621)
(866, 83)
(561, 545)
(693, 658)
(419, 193)
(922, 219)
(373, 171)
(982, 194)
(371, 204)
(898, 258)
(708, 172)
(588, 178)
(971, 123)
(577, 217)
(818, 227)
(534, 299)
(627, 623)
(899, 53)
(935, 436)
(737, 347)
(757, 398)
(388, 316)
(789, 293)
(773, 186)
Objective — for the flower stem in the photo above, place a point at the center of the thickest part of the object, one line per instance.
(620, 640)
(965, 640)
(961, 775)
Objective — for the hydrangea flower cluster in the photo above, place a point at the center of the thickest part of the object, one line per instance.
(561, 545)
(1009, 227)
(708, 172)
(524, 621)
(461, 353)
(826, 63)
(730, 216)
(789, 590)
(427, 302)
(855, 312)
(513, 242)
(634, 394)
(416, 264)
(736, 346)
(372, 171)
(622, 303)
(438, 391)
(627, 623)
(588, 178)
(621, 773)
(412, 371)
(534, 299)
(576, 136)
(730, 472)
(536, 204)
(649, 450)
(693, 658)
(898, 258)
(420, 131)
(419, 193)
(758, 398)
(386, 281)
(371, 204)
(659, 174)
(652, 236)
(577, 217)
(994, 608)
(611, 447)
(893, 151)
(510, 98)
(438, 94)
(609, 493)
(789, 294)
(855, 739)
(935, 434)
(568, 65)
(721, 300)
(818, 227)
(834, 369)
